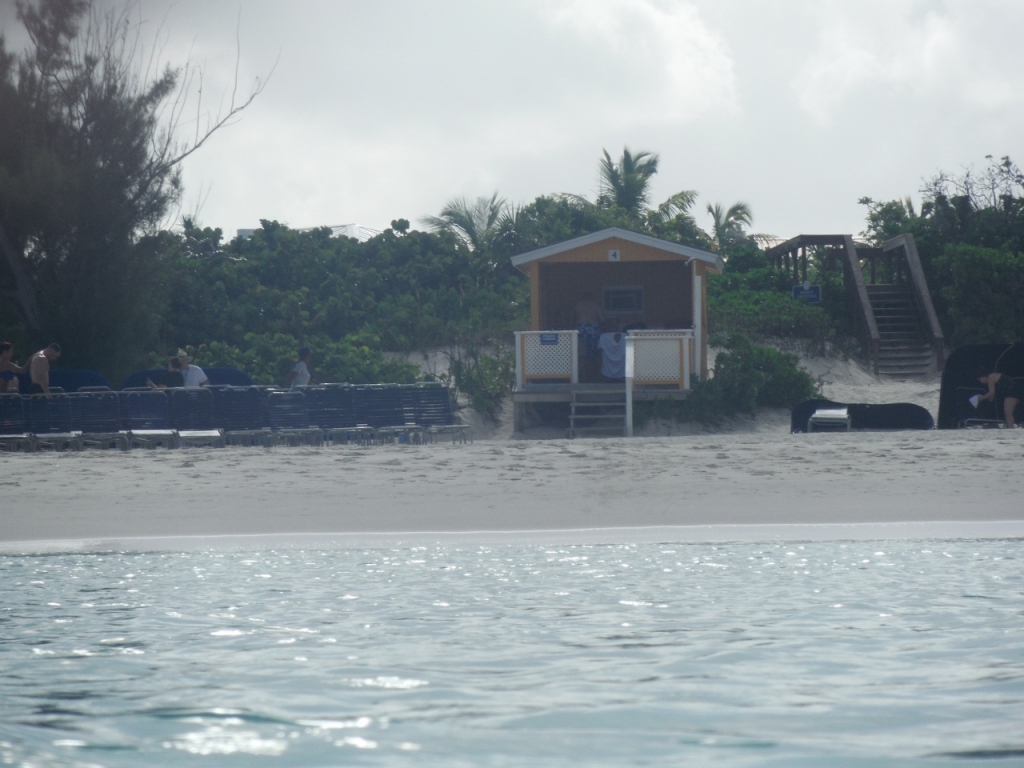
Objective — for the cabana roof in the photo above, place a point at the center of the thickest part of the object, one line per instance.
(688, 253)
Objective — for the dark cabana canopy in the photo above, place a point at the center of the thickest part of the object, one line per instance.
(217, 376)
(866, 415)
(958, 374)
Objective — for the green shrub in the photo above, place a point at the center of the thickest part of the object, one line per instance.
(484, 379)
(768, 314)
(268, 358)
(747, 376)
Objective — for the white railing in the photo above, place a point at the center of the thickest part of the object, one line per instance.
(547, 356)
(657, 358)
(663, 357)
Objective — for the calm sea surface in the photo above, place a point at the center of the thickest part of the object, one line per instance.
(824, 654)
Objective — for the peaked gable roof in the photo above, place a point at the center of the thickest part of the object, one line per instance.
(623, 234)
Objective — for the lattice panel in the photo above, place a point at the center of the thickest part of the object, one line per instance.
(547, 360)
(657, 360)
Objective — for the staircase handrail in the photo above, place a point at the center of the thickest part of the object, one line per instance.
(873, 340)
(921, 293)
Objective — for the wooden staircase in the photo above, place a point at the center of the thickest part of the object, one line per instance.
(903, 351)
(595, 413)
(895, 319)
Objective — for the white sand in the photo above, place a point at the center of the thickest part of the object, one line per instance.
(735, 479)
(751, 481)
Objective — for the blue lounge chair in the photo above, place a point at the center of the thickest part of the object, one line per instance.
(14, 431)
(146, 414)
(332, 409)
(289, 419)
(192, 416)
(51, 422)
(96, 413)
(432, 405)
(382, 407)
(241, 413)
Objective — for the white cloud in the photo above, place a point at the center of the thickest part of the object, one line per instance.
(920, 49)
(682, 69)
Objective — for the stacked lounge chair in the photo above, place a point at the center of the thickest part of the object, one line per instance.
(15, 434)
(382, 408)
(226, 415)
(332, 409)
(432, 410)
(52, 422)
(289, 419)
(96, 411)
(241, 413)
(146, 414)
(193, 417)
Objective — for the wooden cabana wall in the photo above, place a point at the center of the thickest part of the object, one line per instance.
(672, 277)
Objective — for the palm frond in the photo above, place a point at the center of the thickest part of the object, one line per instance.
(475, 223)
(680, 202)
(626, 183)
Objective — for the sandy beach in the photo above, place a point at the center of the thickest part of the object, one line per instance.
(748, 479)
(745, 479)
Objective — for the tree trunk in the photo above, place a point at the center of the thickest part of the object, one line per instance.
(25, 292)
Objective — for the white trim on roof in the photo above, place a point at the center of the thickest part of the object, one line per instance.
(624, 234)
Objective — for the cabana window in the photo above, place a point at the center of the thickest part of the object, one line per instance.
(624, 300)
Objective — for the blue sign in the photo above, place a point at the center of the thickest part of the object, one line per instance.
(809, 293)
(549, 339)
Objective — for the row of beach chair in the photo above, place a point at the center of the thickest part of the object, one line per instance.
(226, 415)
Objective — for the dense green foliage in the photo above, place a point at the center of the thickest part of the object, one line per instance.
(970, 236)
(983, 293)
(753, 299)
(256, 300)
(79, 176)
(89, 160)
(268, 357)
(747, 376)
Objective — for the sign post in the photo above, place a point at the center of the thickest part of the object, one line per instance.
(807, 292)
(630, 360)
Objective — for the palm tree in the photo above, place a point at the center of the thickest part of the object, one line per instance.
(626, 184)
(679, 203)
(727, 225)
(475, 223)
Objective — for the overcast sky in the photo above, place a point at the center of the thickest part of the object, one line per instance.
(386, 109)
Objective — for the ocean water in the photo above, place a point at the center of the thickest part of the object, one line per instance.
(817, 654)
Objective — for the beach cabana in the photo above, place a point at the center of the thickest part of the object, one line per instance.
(652, 291)
(959, 384)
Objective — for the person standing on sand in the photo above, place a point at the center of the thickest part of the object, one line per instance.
(1002, 387)
(8, 368)
(39, 369)
(194, 376)
(300, 375)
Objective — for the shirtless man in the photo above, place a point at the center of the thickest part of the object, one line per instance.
(39, 369)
